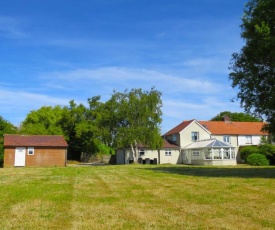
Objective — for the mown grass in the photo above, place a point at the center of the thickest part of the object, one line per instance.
(138, 197)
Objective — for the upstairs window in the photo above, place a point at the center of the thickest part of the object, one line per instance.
(226, 139)
(195, 136)
(248, 139)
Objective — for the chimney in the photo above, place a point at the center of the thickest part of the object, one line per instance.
(226, 119)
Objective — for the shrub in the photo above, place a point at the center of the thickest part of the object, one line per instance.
(269, 151)
(257, 159)
(248, 150)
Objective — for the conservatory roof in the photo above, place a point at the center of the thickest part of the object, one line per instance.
(208, 143)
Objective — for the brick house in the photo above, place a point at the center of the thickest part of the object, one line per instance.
(34, 150)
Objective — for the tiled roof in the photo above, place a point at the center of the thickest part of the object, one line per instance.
(234, 128)
(179, 127)
(13, 140)
(223, 128)
(166, 144)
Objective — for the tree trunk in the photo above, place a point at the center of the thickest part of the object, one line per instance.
(135, 152)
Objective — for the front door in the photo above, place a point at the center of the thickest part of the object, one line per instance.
(20, 156)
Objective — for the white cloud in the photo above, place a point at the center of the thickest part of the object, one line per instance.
(11, 27)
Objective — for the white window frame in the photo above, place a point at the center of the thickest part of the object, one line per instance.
(31, 151)
(226, 139)
(195, 134)
(142, 152)
(168, 152)
(248, 139)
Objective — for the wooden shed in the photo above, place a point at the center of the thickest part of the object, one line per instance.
(34, 150)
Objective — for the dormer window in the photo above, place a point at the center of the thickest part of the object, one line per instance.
(174, 137)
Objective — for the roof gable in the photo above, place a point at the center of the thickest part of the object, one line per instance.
(179, 128)
(12, 140)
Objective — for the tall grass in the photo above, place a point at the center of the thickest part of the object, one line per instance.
(138, 197)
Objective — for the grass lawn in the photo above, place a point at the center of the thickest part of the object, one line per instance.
(138, 197)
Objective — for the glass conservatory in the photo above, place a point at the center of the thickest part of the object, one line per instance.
(209, 152)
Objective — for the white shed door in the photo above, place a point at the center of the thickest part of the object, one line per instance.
(20, 156)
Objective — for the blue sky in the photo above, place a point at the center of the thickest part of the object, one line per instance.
(53, 51)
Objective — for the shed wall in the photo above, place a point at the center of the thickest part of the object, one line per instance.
(43, 157)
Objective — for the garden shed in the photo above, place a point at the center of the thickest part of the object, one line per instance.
(209, 152)
(34, 150)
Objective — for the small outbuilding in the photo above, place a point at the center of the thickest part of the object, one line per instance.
(209, 152)
(34, 150)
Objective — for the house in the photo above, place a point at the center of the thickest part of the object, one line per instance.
(168, 154)
(201, 143)
(234, 135)
(34, 150)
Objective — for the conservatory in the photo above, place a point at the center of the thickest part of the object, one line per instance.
(209, 152)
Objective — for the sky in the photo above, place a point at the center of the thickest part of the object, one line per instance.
(54, 51)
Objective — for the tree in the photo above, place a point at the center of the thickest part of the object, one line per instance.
(235, 116)
(253, 68)
(5, 128)
(133, 117)
(44, 121)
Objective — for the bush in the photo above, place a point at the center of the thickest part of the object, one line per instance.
(257, 159)
(269, 151)
(248, 150)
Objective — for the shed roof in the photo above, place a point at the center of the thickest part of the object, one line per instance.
(13, 140)
(208, 143)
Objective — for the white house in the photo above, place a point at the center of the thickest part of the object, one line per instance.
(200, 142)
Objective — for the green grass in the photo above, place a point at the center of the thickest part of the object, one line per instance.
(138, 197)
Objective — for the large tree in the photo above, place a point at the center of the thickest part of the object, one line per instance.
(235, 116)
(253, 68)
(133, 117)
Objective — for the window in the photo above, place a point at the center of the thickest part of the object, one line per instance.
(195, 136)
(168, 152)
(141, 152)
(175, 137)
(196, 153)
(248, 139)
(31, 151)
(226, 139)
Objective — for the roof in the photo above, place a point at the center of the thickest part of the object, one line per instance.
(179, 127)
(208, 143)
(12, 140)
(166, 144)
(234, 128)
(224, 128)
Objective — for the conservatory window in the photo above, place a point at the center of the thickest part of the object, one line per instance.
(195, 136)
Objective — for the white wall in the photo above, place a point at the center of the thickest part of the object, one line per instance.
(256, 140)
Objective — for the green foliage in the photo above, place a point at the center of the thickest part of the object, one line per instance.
(253, 68)
(235, 117)
(248, 150)
(257, 159)
(269, 151)
(44, 121)
(5, 128)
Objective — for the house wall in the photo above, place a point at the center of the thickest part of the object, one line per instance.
(233, 139)
(256, 140)
(174, 158)
(43, 157)
(185, 135)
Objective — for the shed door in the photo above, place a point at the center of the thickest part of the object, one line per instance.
(20, 156)
(120, 157)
